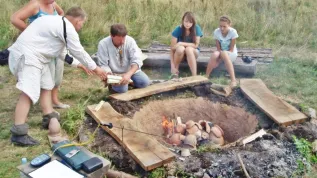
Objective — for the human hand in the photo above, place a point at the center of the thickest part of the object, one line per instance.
(101, 73)
(87, 71)
(125, 79)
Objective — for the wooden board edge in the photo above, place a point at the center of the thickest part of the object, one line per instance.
(146, 94)
(145, 167)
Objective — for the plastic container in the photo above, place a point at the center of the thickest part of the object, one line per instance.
(23, 161)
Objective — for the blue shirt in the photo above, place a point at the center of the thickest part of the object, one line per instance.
(177, 33)
(40, 14)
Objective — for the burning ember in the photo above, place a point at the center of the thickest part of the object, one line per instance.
(168, 127)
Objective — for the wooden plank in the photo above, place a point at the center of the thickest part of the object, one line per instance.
(145, 150)
(163, 60)
(277, 109)
(159, 88)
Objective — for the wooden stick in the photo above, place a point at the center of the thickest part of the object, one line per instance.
(118, 174)
(243, 167)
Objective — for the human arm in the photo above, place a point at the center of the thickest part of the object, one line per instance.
(194, 45)
(233, 42)
(19, 17)
(127, 76)
(76, 49)
(77, 64)
(218, 46)
(103, 56)
(58, 9)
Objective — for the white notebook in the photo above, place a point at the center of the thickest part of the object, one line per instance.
(55, 169)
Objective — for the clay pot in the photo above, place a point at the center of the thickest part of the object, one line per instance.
(180, 128)
(205, 125)
(215, 139)
(54, 132)
(204, 135)
(190, 141)
(185, 152)
(176, 139)
(192, 130)
(217, 131)
(54, 127)
(190, 124)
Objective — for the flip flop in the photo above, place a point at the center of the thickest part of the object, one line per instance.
(61, 106)
(173, 76)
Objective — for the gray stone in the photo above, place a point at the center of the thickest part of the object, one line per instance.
(312, 113)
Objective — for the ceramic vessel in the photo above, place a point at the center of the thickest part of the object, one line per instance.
(175, 139)
(204, 135)
(185, 152)
(205, 125)
(215, 139)
(217, 131)
(180, 128)
(190, 141)
(190, 124)
(54, 132)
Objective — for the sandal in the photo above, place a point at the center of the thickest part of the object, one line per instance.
(174, 76)
(61, 106)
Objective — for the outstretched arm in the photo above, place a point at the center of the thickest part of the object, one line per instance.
(58, 9)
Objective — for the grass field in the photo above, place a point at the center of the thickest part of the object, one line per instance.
(289, 27)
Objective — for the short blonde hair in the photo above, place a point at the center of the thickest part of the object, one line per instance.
(75, 12)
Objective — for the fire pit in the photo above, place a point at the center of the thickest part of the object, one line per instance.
(235, 122)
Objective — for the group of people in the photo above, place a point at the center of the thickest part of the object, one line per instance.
(37, 57)
(185, 46)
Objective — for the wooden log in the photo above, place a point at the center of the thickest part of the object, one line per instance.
(118, 174)
(163, 60)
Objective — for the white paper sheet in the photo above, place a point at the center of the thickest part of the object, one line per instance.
(55, 169)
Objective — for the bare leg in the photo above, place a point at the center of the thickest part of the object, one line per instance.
(179, 56)
(46, 102)
(22, 109)
(191, 54)
(55, 99)
(225, 57)
(213, 62)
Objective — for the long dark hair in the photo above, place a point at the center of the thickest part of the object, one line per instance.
(190, 17)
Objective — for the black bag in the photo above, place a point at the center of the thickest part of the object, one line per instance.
(4, 57)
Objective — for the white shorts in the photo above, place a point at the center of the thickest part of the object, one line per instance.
(57, 69)
(232, 56)
(32, 79)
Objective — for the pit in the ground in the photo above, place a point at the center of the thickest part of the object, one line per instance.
(234, 121)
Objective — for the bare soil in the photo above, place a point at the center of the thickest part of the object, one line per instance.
(274, 155)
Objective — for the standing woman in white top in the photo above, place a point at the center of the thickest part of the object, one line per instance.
(227, 52)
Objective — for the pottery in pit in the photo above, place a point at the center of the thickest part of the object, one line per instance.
(185, 152)
(205, 125)
(180, 128)
(190, 141)
(176, 139)
(217, 131)
(215, 139)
